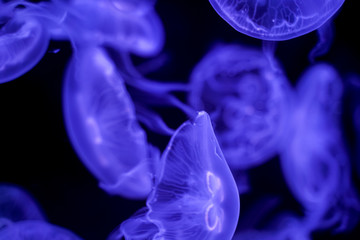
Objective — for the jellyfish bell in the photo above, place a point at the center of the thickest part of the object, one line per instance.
(247, 99)
(33, 229)
(195, 195)
(23, 42)
(17, 205)
(314, 159)
(195, 172)
(101, 123)
(276, 20)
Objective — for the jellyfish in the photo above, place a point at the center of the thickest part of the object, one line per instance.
(17, 205)
(276, 20)
(314, 160)
(87, 23)
(23, 42)
(34, 229)
(102, 125)
(194, 196)
(247, 100)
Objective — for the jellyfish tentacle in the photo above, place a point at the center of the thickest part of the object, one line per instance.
(325, 39)
(153, 121)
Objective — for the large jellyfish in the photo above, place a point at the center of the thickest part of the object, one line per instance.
(101, 122)
(23, 42)
(33, 229)
(314, 160)
(247, 100)
(195, 195)
(17, 205)
(276, 20)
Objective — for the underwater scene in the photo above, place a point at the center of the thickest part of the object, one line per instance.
(179, 120)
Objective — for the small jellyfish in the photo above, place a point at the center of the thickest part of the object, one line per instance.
(23, 42)
(32, 229)
(314, 160)
(276, 20)
(101, 123)
(195, 195)
(247, 100)
(17, 205)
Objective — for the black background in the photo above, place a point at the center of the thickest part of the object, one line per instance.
(37, 155)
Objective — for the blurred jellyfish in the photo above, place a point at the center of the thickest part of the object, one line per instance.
(101, 123)
(33, 229)
(87, 23)
(17, 205)
(314, 160)
(247, 100)
(23, 42)
(194, 197)
(276, 20)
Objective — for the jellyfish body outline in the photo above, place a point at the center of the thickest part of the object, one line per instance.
(16, 204)
(276, 20)
(101, 123)
(314, 160)
(195, 195)
(23, 43)
(247, 99)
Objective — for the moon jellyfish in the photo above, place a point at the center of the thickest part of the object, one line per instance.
(32, 229)
(17, 205)
(247, 100)
(23, 42)
(102, 125)
(195, 195)
(87, 23)
(314, 160)
(276, 20)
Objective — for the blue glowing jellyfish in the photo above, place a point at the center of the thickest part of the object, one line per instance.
(17, 205)
(102, 125)
(276, 20)
(87, 23)
(23, 42)
(247, 100)
(32, 229)
(314, 160)
(195, 195)
(313, 153)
